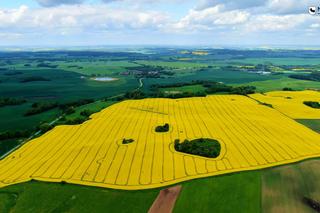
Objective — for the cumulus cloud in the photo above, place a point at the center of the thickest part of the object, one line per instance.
(8, 17)
(82, 16)
(265, 23)
(221, 20)
(210, 19)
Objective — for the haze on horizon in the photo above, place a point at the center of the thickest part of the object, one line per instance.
(158, 22)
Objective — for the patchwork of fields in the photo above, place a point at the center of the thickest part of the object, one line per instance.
(252, 136)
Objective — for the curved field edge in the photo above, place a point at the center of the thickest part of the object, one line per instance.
(169, 183)
(164, 183)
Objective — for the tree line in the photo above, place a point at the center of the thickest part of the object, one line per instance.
(11, 101)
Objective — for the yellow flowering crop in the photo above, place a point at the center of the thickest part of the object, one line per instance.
(252, 136)
(291, 103)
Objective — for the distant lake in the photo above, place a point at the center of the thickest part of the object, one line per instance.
(104, 79)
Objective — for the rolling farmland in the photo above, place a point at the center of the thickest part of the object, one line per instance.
(252, 136)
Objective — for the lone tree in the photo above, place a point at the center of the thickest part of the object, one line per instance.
(127, 141)
(164, 128)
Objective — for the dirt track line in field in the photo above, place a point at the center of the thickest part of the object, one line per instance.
(146, 110)
(166, 200)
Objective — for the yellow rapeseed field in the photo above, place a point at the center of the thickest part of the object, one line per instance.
(252, 136)
(291, 103)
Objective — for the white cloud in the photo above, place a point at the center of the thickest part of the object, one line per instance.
(315, 25)
(262, 6)
(51, 3)
(275, 22)
(11, 36)
(289, 6)
(85, 17)
(8, 17)
(210, 18)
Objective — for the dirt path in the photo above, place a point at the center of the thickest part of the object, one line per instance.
(166, 200)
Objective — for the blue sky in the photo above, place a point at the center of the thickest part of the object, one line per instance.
(216, 23)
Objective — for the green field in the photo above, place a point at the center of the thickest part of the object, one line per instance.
(313, 124)
(278, 61)
(227, 77)
(174, 64)
(283, 188)
(237, 192)
(96, 67)
(279, 84)
(191, 88)
(38, 197)
(62, 86)
(12, 117)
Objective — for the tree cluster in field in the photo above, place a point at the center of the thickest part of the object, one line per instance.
(312, 104)
(85, 115)
(179, 95)
(243, 90)
(75, 104)
(155, 87)
(75, 66)
(74, 121)
(14, 134)
(204, 147)
(265, 104)
(45, 127)
(34, 78)
(211, 88)
(40, 107)
(164, 128)
(127, 141)
(315, 76)
(146, 68)
(11, 101)
(67, 108)
(46, 65)
(251, 68)
(312, 203)
(135, 94)
(287, 89)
